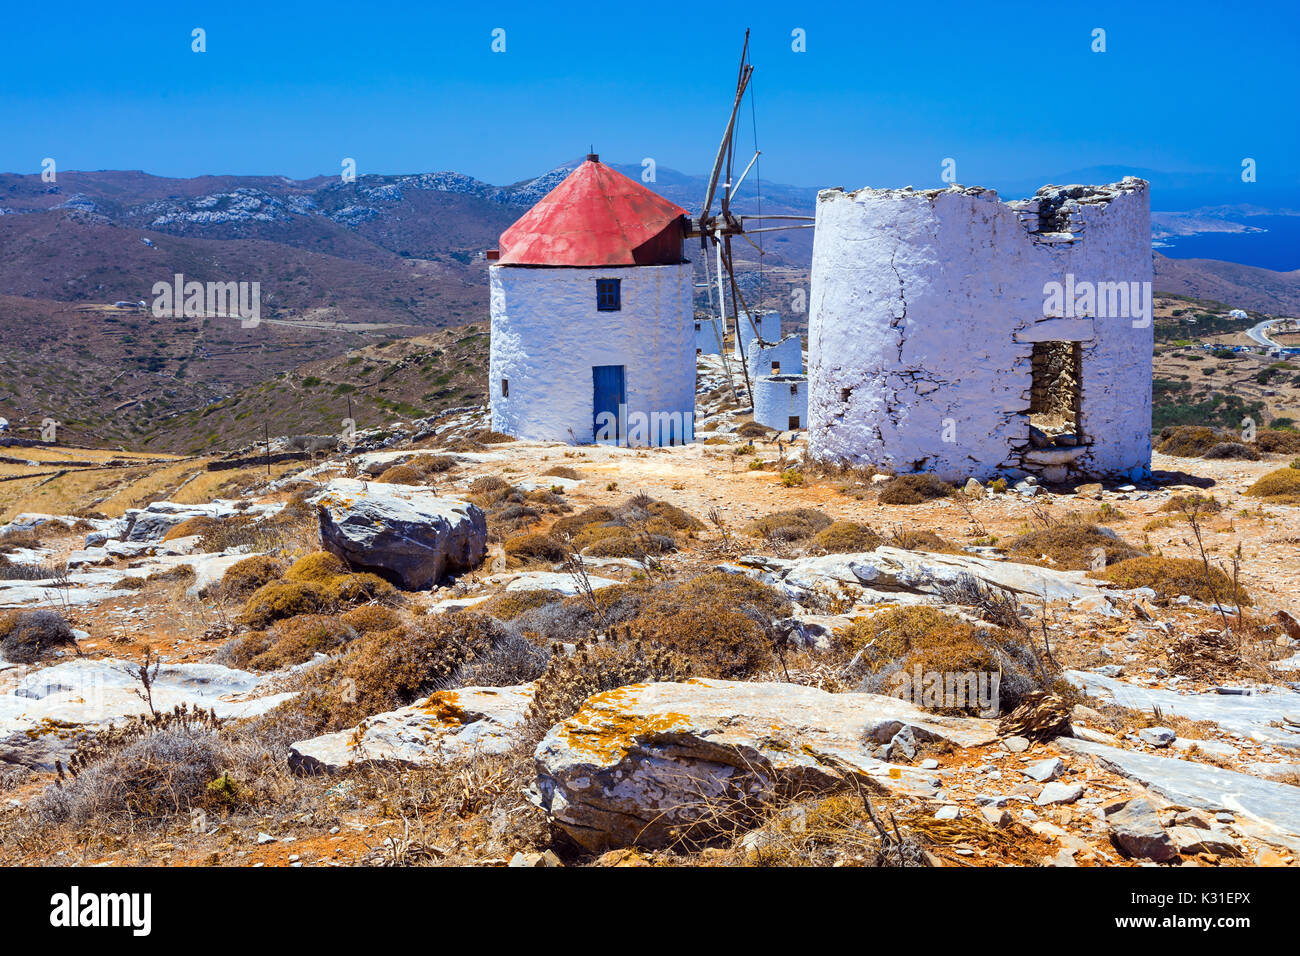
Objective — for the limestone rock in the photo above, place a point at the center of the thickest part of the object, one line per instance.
(638, 763)
(401, 532)
(1055, 793)
(446, 724)
(50, 708)
(895, 575)
(1135, 830)
(1268, 809)
(1194, 840)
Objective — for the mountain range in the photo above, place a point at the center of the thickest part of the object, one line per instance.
(342, 266)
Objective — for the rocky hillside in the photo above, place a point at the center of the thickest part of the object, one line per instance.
(445, 647)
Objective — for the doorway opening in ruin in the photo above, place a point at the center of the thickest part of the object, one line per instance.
(1056, 394)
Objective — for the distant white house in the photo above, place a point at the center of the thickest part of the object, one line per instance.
(1238, 314)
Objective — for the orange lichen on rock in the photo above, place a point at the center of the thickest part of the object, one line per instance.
(605, 734)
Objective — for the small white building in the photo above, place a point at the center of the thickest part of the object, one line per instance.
(768, 323)
(778, 358)
(781, 402)
(709, 332)
(954, 333)
(593, 335)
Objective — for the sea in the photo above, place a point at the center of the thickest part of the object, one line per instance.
(1278, 247)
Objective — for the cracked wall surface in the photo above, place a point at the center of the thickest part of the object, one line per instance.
(924, 311)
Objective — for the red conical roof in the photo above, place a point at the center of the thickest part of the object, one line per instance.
(596, 217)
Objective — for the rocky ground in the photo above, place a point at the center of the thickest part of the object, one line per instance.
(684, 679)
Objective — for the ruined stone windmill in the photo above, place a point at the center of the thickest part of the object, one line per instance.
(754, 330)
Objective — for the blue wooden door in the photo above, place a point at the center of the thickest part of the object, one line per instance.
(608, 393)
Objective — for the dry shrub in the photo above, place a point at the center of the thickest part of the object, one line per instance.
(914, 489)
(1232, 451)
(385, 670)
(1277, 441)
(562, 471)
(722, 623)
(319, 567)
(570, 680)
(246, 576)
(282, 599)
(369, 618)
(489, 437)
(241, 651)
(1174, 576)
(24, 538)
(28, 636)
(906, 638)
(163, 773)
(514, 659)
(915, 539)
(399, 475)
(754, 430)
(525, 548)
(1070, 543)
(1278, 487)
(575, 618)
(299, 639)
(1200, 504)
(487, 484)
(131, 583)
(847, 537)
(201, 525)
(361, 588)
(790, 526)
(1191, 441)
(177, 572)
(510, 604)
(571, 525)
(638, 527)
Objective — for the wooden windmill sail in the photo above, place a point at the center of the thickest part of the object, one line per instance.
(720, 228)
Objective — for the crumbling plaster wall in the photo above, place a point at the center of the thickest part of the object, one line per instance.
(547, 335)
(923, 313)
(779, 397)
(768, 323)
(788, 353)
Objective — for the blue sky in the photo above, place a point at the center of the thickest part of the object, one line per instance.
(883, 93)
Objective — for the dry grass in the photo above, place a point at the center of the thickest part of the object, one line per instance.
(846, 537)
(914, 490)
(1172, 577)
(1278, 487)
(28, 636)
(794, 525)
(1071, 543)
(903, 639)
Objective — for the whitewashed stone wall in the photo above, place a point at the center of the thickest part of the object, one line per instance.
(708, 334)
(777, 398)
(547, 335)
(788, 353)
(769, 329)
(923, 312)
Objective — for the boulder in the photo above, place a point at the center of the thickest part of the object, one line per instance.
(446, 724)
(404, 533)
(1136, 831)
(638, 764)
